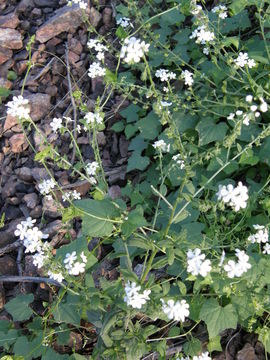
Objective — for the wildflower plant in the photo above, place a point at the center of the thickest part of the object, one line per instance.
(189, 235)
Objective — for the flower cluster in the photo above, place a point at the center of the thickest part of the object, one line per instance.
(93, 118)
(202, 35)
(73, 266)
(221, 10)
(45, 188)
(32, 237)
(236, 197)
(160, 145)
(96, 70)
(19, 107)
(124, 22)
(243, 60)
(237, 269)
(81, 3)
(261, 236)
(188, 77)
(179, 161)
(91, 170)
(98, 47)
(176, 311)
(133, 296)
(133, 50)
(71, 195)
(165, 75)
(56, 275)
(196, 263)
(56, 124)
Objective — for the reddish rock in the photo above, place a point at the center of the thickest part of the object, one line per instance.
(40, 105)
(5, 83)
(10, 39)
(10, 122)
(5, 54)
(65, 19)
(18, 143)
(21, 66)
(73, 58)
(247, 353)
(95, 17)
(107, 17)
(75, 46)
(9, 21)
(31, 200)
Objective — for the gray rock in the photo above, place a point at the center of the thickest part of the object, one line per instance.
(31, 200)
(40, 105)
(40, 174)
(24, 173)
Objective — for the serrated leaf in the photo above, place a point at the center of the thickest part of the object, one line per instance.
(214, 344)
(192, 347)
(218, 318)
(137, 162)
(118, 127)
(19, 307)
(209, 131)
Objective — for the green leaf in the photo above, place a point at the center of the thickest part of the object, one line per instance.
(118, 127)
(11, 75)
(214, 344)
(218, 318)
(22, 346)
(209, 131)
(19, 307)
(149, 126)
(192, 347)
(131, 113)
(97, 217)
(137, 162)
(68, 311)
(4, 92)
(135, 219)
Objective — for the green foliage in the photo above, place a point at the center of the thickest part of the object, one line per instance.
(19, 307)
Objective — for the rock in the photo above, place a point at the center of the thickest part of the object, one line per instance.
(95, 17)
(10, 122)
(31, 200)
(53, 228)
(115, 192)
(10, 20)
(107, 17)
(40, 174)
(101, 138)
(50, 208)
(9, 189)
(8, 265)
(24, 173)
(12, 212)
(75, 46)
(21, 66)
(10, 39)
(51, 90)
(36, 212)
(2, 297)
(247, 353)
(5, 83)
(46, 3)
(40, 105)
(18, 143)
(5, 54)
(39, 140)
(25, 5)
(65, 19)
(73, 57)
(36, 13)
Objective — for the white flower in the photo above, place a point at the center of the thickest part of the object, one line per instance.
(261, 236)
(206, 51)
(203, 35)
(231, 116)
(56, 124)
(243, 60)
(92, 118)
(179, 161)
(249, 98)
(222, 258)
(29, 222)
(239, 112)
(221, 10)
(264, 107)
(253, 108)
(165, 103)
(188, 77)
(71, 195)
(266, 249)
(165, 75)
(92, 168)
(96, 70)
(18, 107)
(246, 119)
(69, 259)
(196, 10)
(46, 186)
(124, 22)
(176, 311)
(196, 265)
(57, 276)
(133, 50)
(237, 269)
(21, 231)
(236, 197)
(82, 4)
(83, 257)
(133, 297)
(203, 356)
(39, 259)
(77, 268)
(161, 145)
